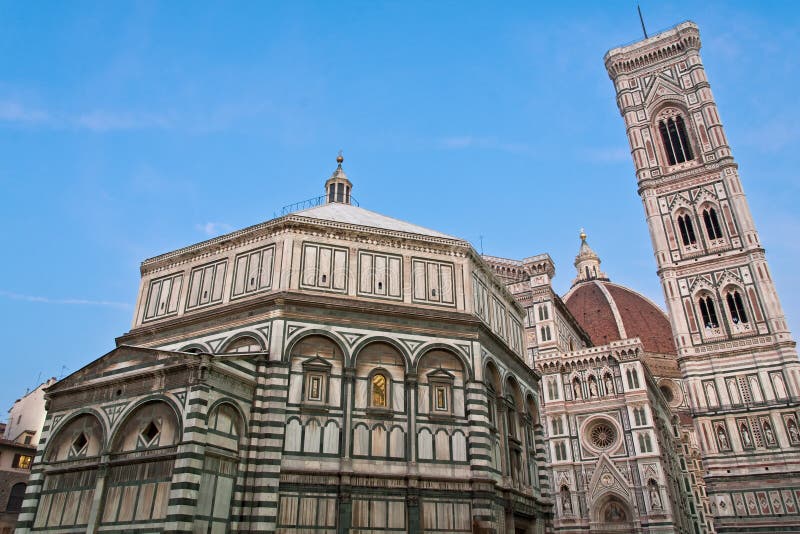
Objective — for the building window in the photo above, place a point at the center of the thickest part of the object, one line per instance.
(314, 387)
(675, 140)
(79, 446)
(641, 416)
(736, 307)
(22, 461)
(441, 392)
(645, 444)
(602, 434)
(544, 313)
(711, 222)
(561, 451)
(633, 378)
(316, 373)
(16, 496)
(687, 230)
(440, 397)
(149, 436)
(380, 391)
(490, 400)
(708, 312)
(552, 389)
(558, 426)
(546, 335)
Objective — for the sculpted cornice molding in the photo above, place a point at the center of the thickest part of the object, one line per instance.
(668, 183)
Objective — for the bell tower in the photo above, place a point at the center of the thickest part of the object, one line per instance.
(734, 348)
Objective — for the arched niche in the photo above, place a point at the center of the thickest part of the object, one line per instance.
(316, 368)
(494, 390)
(136, 454)
(82, 437)
(150, 425)
(441, 379)
(531, 409)
(242, 343)
(380, 371)
(513, 393)
(225, 426)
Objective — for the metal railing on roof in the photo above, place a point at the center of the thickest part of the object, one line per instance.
(308, 203)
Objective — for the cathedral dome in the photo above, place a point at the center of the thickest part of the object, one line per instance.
(610, 312)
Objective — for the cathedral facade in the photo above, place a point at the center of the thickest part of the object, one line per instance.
(335, 370)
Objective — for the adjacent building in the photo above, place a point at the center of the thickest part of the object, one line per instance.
(17, 449)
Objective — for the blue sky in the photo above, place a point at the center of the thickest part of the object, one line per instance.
(131, 129)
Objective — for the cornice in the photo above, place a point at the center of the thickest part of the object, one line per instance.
(667, 183)
(267, 304)
(308, 226)
(662, 47)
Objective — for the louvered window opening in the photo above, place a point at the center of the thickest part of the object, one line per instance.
(675, 140)
(736, 307)
(708, 312)
(687, 230)
(711, 221)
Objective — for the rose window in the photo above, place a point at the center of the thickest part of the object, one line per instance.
(603, 435)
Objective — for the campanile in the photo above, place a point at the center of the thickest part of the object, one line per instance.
(735, 350)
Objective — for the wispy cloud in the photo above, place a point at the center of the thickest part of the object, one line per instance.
(12, 111)
(213, 229)
(79, 302)
(485, 143)
(607, 154)
(17, 112)
(104, 121)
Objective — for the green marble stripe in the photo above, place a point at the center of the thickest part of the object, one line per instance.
(265, 448)
(265, 461)
(249, 371)
(182, 501)
(190, 486)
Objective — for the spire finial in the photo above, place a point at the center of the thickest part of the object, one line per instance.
(641, 19)
(583, 235)
(340, 158)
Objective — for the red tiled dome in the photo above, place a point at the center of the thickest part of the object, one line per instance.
(610, 312)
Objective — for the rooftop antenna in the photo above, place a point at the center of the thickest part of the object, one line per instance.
(641, 19)
(481, 238)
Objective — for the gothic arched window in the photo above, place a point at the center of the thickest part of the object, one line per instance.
(708, 312)
(711, 221)
(546, 335)
(633, 378)
(687, 230)
(736, 307)
(675, 139)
